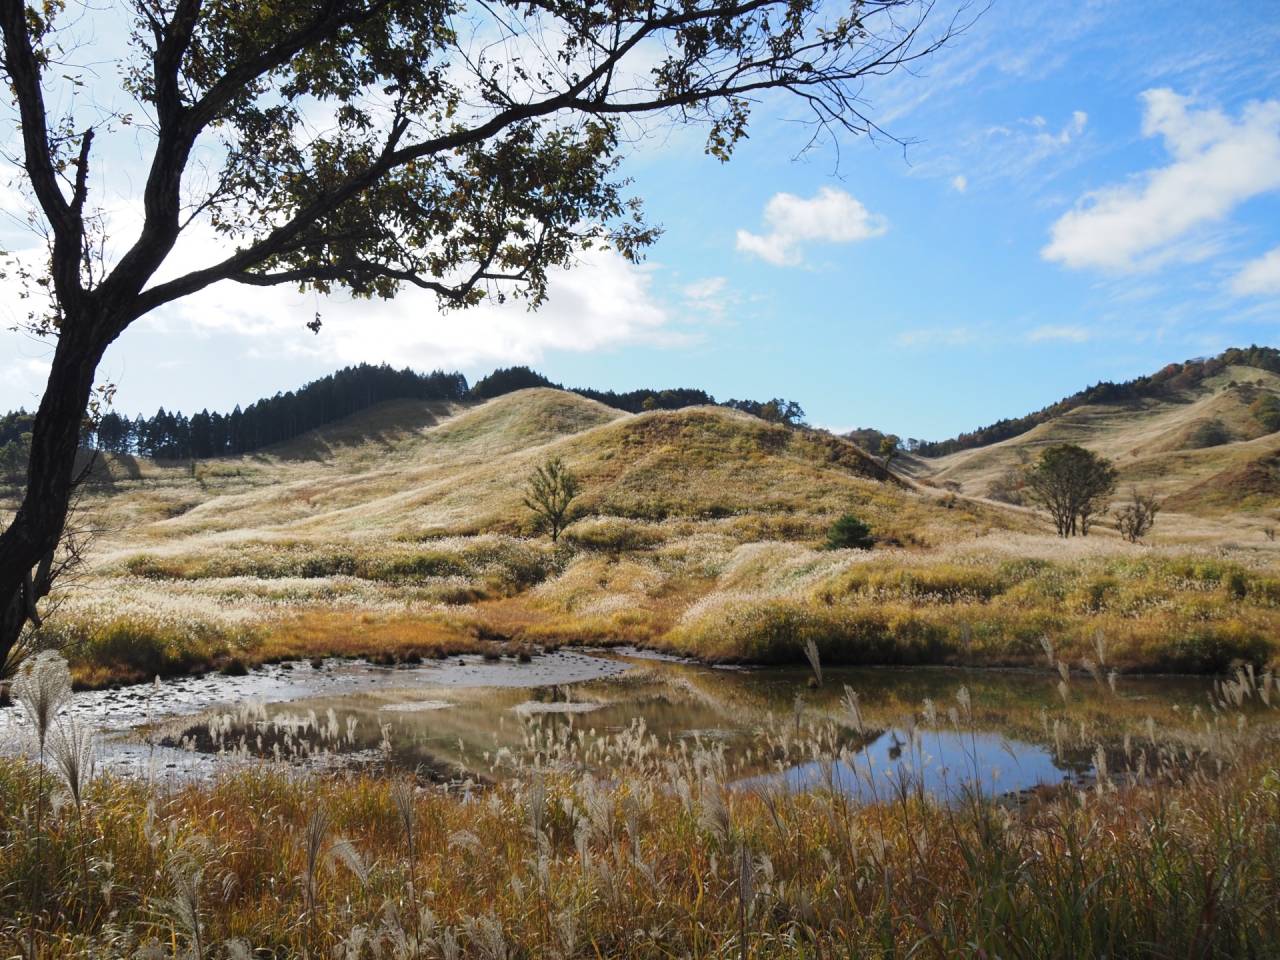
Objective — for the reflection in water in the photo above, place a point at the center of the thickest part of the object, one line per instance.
(945, 764)
(751, 719)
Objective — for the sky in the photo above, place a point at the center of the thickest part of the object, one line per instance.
(1090, 190)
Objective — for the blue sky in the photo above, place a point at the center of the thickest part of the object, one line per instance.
(1094, 191)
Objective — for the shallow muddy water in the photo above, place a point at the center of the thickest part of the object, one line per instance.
(468, 719)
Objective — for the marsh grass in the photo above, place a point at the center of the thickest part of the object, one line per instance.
(709, 598)
(616, 845)
(1159, 613)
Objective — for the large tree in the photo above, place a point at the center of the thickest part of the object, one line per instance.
(1073, 484)
(461, 147)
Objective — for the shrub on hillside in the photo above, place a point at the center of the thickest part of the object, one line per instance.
(613, 534)
(1266, 410)
(1136, 518)
(849, 532)
(1208, 433)
(1007, 487)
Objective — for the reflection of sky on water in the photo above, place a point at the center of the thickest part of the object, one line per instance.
(944, 762)
(460, 714)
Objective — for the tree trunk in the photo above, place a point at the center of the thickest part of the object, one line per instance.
(36, 528)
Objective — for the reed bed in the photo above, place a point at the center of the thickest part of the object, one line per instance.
(614, 845)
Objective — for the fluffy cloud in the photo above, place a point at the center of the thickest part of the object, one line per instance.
(603, 302)
(960, 183)
(1259, 277)
(830, 216)
(1217, 163)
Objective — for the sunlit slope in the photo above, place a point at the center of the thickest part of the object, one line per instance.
(426, 473)
(699, 531)
(1201, 450)
(374, 461)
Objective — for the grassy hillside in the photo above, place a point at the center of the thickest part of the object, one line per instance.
(401, 532)
(1200, 449)
(1165, 384)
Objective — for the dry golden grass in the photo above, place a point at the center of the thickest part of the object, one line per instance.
(699, 532)
(1154, 445)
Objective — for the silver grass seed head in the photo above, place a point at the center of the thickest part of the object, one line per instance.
(74, 752)
(42, 687)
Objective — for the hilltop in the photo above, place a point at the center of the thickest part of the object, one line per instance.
(1170, 383)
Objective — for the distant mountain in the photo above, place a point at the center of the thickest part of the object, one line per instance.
(1201, 435)
(1169, 384)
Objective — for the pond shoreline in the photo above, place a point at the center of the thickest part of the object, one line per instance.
(501, 652)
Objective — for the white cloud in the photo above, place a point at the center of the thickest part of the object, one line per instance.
(1051, 141)
(708, 298)
(602, 303)
(960, 183)
(830, 216)
(1218, 163)
(1260, 276)
(1059, 332)
(1021, 148)
(707, 288)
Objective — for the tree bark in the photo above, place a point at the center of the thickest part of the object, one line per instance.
(34, 533)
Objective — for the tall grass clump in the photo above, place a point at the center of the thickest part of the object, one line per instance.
(42, 687)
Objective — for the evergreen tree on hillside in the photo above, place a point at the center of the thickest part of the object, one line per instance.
(549, 493)
(506, 380)
(776, 410)
(173, 436)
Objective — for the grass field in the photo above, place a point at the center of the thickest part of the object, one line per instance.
(402, 533)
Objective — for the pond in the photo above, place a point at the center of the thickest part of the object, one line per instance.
(468, 721)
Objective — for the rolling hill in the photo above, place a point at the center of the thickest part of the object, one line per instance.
(407, 469)
(1201, 448)
(401, 531)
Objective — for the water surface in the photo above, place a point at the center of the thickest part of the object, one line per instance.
(942, 731)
